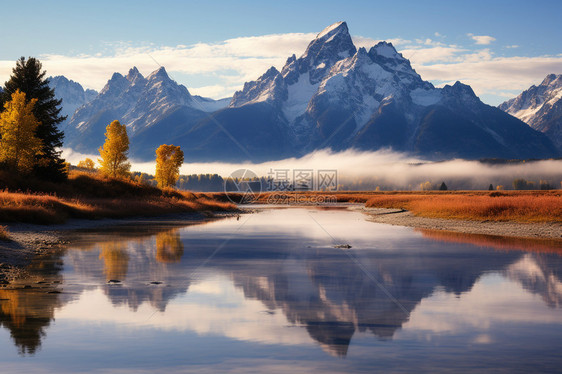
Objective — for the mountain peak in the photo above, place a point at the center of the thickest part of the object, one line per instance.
(386, 50)
(331, 45)
(540, 107)
(336, 28)
(552, 78)
(134, 75)
(116, 84)
(116, 77)
(72, 94)
(159, 74)
(460, 91)
(58, 78)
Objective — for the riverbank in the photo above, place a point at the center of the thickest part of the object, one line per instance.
(38, 214)
(93, 196)
(501, 206)
(400, 217)
(28, 241)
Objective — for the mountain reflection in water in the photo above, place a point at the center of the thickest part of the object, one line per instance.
(273, 258)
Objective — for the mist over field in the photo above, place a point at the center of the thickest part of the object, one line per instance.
(383, 168)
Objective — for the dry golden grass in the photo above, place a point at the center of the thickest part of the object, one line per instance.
(514, 206)
(518, 206)
(92, 196)
(4, 235)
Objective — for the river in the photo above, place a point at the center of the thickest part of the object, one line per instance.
(285, 290)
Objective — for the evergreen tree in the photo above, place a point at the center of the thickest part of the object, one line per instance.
(113, 154)
(168, 162)
(18, 144)
(490, 187)
(29, 78)
(443, 187)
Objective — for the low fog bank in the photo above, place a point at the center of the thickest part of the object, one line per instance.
(384, 168)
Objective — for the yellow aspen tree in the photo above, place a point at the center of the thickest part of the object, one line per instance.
(114, 161)
(87, 164)
(169, 247)
(169, 159)
(18, 143)
(115, 259)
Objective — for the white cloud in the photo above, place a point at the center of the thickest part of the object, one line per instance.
(492, 75)
(219, 69)
(425, 55)
(397, 169)
(361, 41)
(482, 39)
(246, 57)
(218, 91)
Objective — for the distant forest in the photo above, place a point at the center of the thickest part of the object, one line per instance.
(193, 182)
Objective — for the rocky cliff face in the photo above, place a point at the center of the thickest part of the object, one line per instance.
(540, 107)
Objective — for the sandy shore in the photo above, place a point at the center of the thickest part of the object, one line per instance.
(29, 241)
(551, 230)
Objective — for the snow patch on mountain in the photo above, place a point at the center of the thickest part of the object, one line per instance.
(386, 50)
(209, 105)
(424, 97)
(299, 95)
(72, 93)
(540, 107)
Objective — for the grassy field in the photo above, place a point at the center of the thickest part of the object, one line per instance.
(92, 196)
(537, 206)
(517, 206)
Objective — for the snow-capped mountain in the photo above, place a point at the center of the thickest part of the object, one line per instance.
(155, 110)
(72, 94)
(540, 107)
(334, 95)
(337, 96)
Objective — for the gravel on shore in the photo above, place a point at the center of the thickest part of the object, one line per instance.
(550, 230)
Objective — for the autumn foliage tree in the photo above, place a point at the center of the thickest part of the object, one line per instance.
(28, 77)
(169, 159)
(87, 164)
(169, 247)
(114, 160)
(18, 144)
(115, 259)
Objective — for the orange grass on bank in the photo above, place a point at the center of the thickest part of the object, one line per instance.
(92, 196)
(515, 206)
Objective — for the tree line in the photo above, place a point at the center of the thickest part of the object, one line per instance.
(114, 160)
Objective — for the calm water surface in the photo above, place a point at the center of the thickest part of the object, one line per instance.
(269, 292)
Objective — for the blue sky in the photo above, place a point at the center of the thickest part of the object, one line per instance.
(499, 47)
